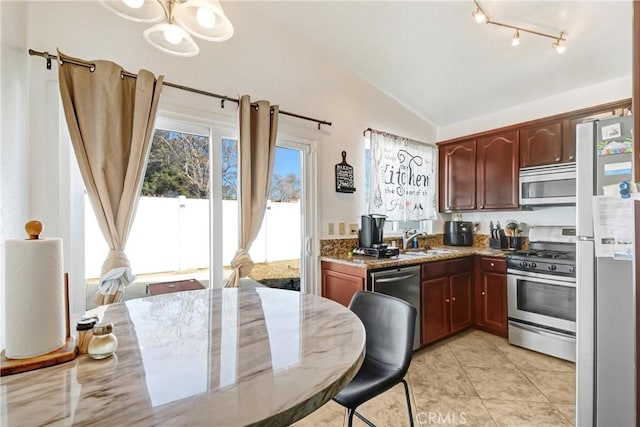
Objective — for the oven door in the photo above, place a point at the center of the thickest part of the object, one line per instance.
(542, 299)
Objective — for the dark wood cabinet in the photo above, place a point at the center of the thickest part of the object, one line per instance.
(491, 295)
(457, 166)
(435, 309)
(541, 144)
(340, 282)
(446, 298)
(497, 171)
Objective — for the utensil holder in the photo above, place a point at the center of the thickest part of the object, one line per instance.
(515, 242)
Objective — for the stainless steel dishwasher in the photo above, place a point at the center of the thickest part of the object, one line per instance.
(403, 283)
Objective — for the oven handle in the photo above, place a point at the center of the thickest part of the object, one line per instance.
(549, 334)
(569, 282)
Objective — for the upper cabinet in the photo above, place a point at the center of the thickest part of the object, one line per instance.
(543, 145)
(497, 171)
(481, 171)
(456, 170)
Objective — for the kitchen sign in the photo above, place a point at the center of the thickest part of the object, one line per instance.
(402, 178)
(344, 176)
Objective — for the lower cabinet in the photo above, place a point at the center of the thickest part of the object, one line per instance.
(491, 295)
(446, 300)
(340, 282)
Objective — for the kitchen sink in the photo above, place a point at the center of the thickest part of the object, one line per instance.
(429, 252)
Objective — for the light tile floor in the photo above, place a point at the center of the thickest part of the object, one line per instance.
(472, 379)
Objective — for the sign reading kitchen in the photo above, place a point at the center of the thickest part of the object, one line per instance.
(402, 178)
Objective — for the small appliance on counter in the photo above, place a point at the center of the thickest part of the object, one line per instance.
(370, 238)
(458, 233)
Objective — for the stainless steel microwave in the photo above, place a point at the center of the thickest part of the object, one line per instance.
(548, 185)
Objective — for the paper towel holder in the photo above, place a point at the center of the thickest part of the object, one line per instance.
(64, 354)
(34, 229)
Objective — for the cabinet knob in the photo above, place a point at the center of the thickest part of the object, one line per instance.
(492, 265)
(571, 157)
(446, 299)
(557, 159)
(453, 298)
(482, 292)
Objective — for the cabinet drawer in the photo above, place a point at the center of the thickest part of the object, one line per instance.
(434, 269)
(497, 265)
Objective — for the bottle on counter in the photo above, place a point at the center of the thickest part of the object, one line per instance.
(84, 332)
(104, 343)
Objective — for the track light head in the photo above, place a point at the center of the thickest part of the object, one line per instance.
(479, 15)
(516, 38)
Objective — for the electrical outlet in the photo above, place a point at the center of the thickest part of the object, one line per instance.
(331, 229)
(353, 228)
(341, 228)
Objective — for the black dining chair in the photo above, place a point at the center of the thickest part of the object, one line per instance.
(389, 325)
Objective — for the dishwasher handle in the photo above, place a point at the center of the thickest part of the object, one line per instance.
(395, 278)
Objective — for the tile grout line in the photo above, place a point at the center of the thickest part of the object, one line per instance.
(464, 371)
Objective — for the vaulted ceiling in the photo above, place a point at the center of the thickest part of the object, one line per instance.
(432, 57)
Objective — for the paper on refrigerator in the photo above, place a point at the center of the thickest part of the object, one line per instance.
(613, 227)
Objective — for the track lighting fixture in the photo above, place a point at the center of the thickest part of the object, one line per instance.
(480, 15)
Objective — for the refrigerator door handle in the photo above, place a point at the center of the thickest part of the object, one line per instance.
(585, 332)
(585, 153)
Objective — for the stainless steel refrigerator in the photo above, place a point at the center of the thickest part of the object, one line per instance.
(605, 315)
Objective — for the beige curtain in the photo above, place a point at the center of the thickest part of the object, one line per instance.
(257, 148)
(110, 120)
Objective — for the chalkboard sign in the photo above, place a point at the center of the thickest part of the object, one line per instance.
(344, 176)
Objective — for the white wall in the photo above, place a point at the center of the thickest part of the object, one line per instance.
(259, 60)
(601, 93)
(14, 144)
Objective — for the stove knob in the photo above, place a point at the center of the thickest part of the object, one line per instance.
(572, 269)
(553, 267)
(524, 264)
(533, 265)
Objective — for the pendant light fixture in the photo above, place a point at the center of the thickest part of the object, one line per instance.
(181, 19)
(480, 15)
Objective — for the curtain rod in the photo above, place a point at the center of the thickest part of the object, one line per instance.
(222, 98)
(364, 133)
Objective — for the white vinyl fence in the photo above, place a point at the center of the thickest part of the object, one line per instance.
(172, 234)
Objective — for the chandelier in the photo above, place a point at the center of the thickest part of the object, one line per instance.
(176, 21)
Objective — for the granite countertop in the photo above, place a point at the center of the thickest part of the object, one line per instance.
(404, 259)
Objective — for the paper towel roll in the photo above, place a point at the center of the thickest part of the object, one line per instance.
(34, 297)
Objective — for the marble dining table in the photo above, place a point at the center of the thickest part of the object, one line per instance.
(214, 357)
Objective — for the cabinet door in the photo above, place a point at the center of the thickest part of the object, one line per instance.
(494, 302)
(497, 171)
(541, 144)
(461, 302)
(457, 166)
(435, 309)
(340, 287)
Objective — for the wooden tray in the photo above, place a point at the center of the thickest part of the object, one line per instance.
(66, 353)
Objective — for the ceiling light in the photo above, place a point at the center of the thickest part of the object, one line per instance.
(560, 48)
(202, 18)
(516, 39)
(479, 15)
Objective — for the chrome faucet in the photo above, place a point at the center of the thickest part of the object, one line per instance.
(409, 235)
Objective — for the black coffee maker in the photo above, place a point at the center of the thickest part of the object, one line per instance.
(371, 230)
(370, 237)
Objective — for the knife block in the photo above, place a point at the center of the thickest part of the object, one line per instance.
(500, 243)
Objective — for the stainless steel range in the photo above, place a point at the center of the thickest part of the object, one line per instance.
(541, 292)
